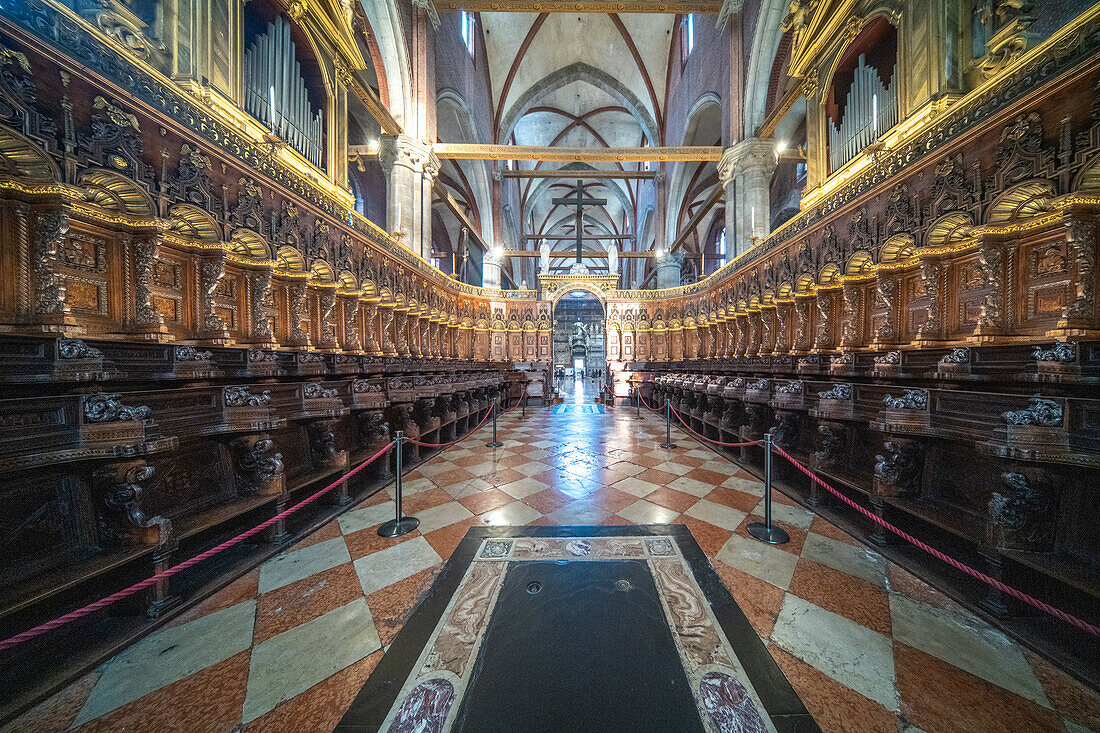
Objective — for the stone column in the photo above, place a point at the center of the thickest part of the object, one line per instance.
(745, 171)
(411, 168)
(668, 269)
(490, 269)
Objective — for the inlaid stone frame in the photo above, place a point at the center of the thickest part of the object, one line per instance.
(420, 682)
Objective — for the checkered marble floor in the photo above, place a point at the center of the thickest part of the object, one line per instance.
(286, 648)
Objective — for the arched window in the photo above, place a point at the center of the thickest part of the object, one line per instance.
(469, 27)
(863, 96)
(687, 37)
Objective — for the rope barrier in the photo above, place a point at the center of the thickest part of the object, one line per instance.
(469, 432)
(978, 575)
(165, 574)
(712, 440)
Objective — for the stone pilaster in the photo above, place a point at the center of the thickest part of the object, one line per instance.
(411, 168)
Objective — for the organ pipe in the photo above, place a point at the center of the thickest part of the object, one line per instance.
(870, 109)
(272, 69)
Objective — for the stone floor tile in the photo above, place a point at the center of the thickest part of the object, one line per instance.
(169, 655)
(759, 560)
(717, 514)
(517, 513)
(644, 512)
(692, 486)
(294, 604)
(292, 662)
(678, 501)
(583, 513)
(297, 564)
(966, 643)
(441, 516)
(522, 487)
(852, 654)
(851, 597)
(371, 516)
(394, 563)
(482, 501)
(852, 559)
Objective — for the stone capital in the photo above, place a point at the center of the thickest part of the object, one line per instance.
(748, 156)
(408, 152)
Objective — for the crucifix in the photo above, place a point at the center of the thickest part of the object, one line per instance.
(579, 199)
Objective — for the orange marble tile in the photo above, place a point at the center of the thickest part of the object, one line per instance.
(931, 691)
(1068, 696)
(209, 700)
(903, 582)
(706, 476)
(657, 476)
(826, 528)
(502, 476)
(843, 594)
(672, 499)
(485, 501)
(611, 499)
(513, 460)
(679, 457)
(320, 707)
(57, 712)
(734, 499)
(243, 588)
(542, 522)
(709, 537)
(467, 461)
(366, 541)
(390, 607)
(328, 531)
(425, 500)
(547, 500)
(446, 539)
(835, 708)
(759, 600)
(454, 476)
(647, 461)
(304, 600)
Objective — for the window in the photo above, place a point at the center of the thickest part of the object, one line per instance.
(720, 245)
(468, 26)
(687, 36)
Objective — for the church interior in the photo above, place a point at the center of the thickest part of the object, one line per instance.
(549, 365)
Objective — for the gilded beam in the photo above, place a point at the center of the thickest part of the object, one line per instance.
(573, 174)
(572, 6)
(476, 151)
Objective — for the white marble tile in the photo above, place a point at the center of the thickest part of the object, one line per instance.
(691, 486)
(436, 466)
(523, 487)
(646, 512)
(852, 559)
(297, 564)
(673, 467)
(579, 513)
(700, 453)
(169, 655)
(392, 564)
(794, 515)
(368, 516)
(850, 653)
(415, 486)
(626, 468)
(292, 662)
(483, 468)
(636, 487)
(441, 516)
(723, 467)
(510, 515)
(532, 468)
(967, 643)
(748, 486)
(719, 515)
(759, 560)
(467, 488)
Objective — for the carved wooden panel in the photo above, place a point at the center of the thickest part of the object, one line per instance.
(47, 521)
(197, 476)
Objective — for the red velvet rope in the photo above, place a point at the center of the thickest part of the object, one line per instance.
(165, 574)
(468, 432)
(1008, 590)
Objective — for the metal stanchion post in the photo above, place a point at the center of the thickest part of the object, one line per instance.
(637, 404)
(524, 414)
(496, 443)
(400, 524)
(766, 532)
(668, 444)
